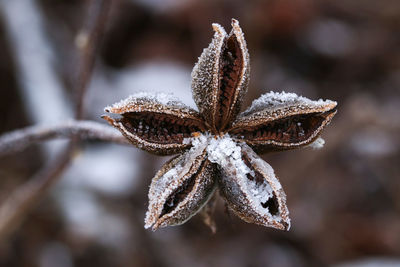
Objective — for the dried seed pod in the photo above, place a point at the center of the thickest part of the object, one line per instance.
(253, 192)
(279, 121)
(180, 189)
(219, 144)
(220, 78)
(156, 123)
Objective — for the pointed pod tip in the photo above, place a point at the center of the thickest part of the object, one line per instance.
(285, 223)
(149, 220)
(151, 227)
(331, 104)
(149, 223)
(236, 27)
(108, 119)
(107, 109)
(235, 22)
(156, 226)
(218, 29)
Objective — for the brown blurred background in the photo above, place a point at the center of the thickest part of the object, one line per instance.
(344, 199)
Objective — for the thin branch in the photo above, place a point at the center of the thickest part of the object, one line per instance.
(87, 41)
(20, 139)
(33, 55)
(15, 208)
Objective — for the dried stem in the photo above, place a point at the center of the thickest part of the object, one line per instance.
(14, 209)
(20, 139)
(87, 41)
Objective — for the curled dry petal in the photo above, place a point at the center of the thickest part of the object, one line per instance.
(220, 77)
(180, 189)
(156, 123)
(278, 121)
(253, 192)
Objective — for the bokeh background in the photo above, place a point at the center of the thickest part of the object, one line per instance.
(344, 200)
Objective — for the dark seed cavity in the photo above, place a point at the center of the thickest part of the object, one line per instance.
(272, 205)
(293, 129)
(257, 178)
(180, 193)
(231, 64)
(159, 128)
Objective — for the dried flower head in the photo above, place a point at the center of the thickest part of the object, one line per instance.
(216, 145)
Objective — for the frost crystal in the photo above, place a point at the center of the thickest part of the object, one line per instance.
(278, 100)
(148, 97)
(222, 148)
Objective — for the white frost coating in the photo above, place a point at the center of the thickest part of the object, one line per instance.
(166, 179)
(162, 98)
(273, 185)
(205, 74)
(259, 193)
(318, 143)
(283, 99)
(221, 150)
(270, 184)
(228, 154)
(267, 169)
(196, 141)
(161, 188)
(154, 97)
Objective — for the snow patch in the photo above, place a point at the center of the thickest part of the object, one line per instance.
(227, 153)
(283, 99)
(221, 149)
(167, 99)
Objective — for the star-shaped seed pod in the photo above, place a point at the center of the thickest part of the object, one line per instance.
(216, 145)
